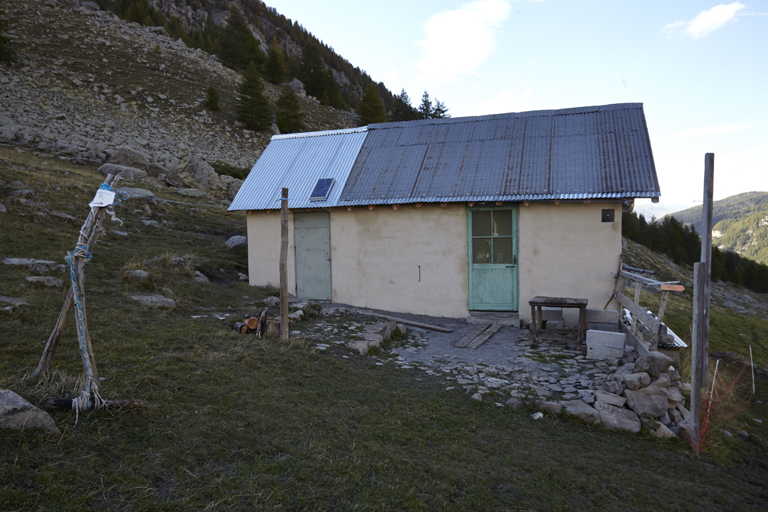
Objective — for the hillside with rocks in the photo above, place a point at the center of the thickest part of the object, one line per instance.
(86, 83)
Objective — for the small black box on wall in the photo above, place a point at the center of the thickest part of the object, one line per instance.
(608, 215)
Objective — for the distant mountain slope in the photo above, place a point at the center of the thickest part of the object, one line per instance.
(741, 224)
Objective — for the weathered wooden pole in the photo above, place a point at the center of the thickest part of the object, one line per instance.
(284, 265)
(702, 278)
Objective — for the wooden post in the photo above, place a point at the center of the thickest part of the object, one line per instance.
(702, 275)
(638, 289)
(284, 265)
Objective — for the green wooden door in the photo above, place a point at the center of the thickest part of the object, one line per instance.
(492, 258)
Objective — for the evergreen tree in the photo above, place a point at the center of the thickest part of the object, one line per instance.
(253, 108)
(289, 114)
(6, 52)
(211, 98)
(440, 111)
(239, 48)
(402, 109)
(371, 108)
(274, 69)
(425, 108)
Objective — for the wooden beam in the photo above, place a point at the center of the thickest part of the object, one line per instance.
(395, 206)
(443, 205)
(499, 203)
(406, 321)
(587, 201)
(284, 332)
(471, 204)
(634, 341)
(370, 207)
(349, 208)
(557, 202)
(672, 288)
(418, 205)
(645, 280)
(526, 203)
(639, 313)
(638, 289)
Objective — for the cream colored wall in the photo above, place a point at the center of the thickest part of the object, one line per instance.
(376, 257)
(264, 250)
(566, 250)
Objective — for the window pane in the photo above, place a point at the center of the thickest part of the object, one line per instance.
(481, 250)
(481, 223)
(502, 250)
(502, 223)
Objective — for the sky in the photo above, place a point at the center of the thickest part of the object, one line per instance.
(700, 69)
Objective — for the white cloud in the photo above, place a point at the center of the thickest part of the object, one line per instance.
(713, 130)
(706, 21)
(457, 42)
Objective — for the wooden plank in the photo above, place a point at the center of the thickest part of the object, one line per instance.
(405, 321)
(557, 302)
(485, 336)
(645, 280)
(471, 335)
(638, 312)
(638, 289)
(634, 341)
(672, 288)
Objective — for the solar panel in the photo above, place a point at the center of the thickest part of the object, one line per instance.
(322, 189)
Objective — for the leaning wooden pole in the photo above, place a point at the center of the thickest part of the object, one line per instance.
(702, 275)
(44, 366)
(284, 329)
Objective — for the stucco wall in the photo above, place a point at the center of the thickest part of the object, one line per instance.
(376, 257)
(564, 250)
(567, 251)
(264, 250)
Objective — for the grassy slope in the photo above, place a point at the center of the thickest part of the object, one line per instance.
(238, 423)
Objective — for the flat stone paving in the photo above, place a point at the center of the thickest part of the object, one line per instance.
(505, 366)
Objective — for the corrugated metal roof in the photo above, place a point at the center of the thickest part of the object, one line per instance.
(297, 162)
(601, 152)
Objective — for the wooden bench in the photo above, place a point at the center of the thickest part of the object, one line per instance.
(538, 302)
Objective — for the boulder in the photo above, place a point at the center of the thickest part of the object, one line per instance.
(653, 364)
(180, 179)
(13, 301)
(3, 209)
(383, 329)
(582, 410)
(296, 316)
(635, 381)
(199, 277)
(515, 403)
(89, 6)
(128, 157)
(272, 301)
(154, 301)
(127, 173)
(138, 195)
(236, 241)
(137, 274)
(160, 31)
(16, 413)
(618, 417)
(46, 281)
(233, 188)
(649, 400)
(658, 429)
(205, 175)
(610, 398)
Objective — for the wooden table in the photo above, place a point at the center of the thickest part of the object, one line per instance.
(537, 303)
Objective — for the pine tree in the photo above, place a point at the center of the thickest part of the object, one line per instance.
(425, 108)
(274, 69)
(253, 108)
(440, 111)
(289, 114)
(6, 52)
(211, 98)
(239, 48)
(371, 108)
(402, 109)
